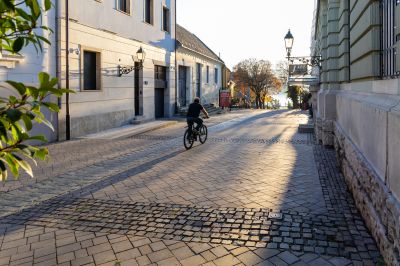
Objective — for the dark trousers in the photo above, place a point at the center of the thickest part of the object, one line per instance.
(191, 120)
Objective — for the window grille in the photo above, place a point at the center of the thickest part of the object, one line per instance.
(388, 68)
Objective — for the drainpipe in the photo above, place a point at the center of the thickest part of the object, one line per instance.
(176, 65)
(58, 48)
(67, 116)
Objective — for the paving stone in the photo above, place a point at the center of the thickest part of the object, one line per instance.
(82, 261)
(183, 253)
(277, 261)
(249, 258)
(169, 262)
(104, 257)
(288, 257)
(194, 260)
(160, 255)
(339, 261)
(226, 260)
(128, 254)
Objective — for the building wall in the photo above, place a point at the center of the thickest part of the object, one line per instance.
(27, 68)
(113, 105)
(360, 116)
(209, 91)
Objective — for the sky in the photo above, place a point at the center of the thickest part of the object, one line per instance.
(249, 29)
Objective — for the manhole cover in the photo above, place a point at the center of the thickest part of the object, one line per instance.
(275, 215)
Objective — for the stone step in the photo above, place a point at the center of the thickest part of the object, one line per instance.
(306, 128)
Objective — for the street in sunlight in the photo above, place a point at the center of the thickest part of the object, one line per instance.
(215, 133)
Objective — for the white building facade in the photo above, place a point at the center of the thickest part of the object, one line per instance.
(104, 35)
(199, 70)
(359, 107)
(108, 34)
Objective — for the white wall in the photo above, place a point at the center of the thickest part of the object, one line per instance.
(27, 68)
(103, 15)
(116, 36)
(210, 90)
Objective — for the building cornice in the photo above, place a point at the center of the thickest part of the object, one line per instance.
(201, 54)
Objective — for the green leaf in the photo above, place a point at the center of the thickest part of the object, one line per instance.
(14, 115)
(40, 138)
(20, 87)
(42, 154)
(18, 44)
(47, 4)
(24, 165)
(44, 79)
(51, 106)
(12, 164)
(3, 171)
(28, 122)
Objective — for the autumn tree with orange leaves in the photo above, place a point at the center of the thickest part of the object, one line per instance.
(259, 77)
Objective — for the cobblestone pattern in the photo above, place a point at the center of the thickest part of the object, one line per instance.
(35, 245)
(310, 140)
(328, 235)
(98, 221)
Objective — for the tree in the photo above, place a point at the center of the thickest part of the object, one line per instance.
(259, 77)
(20, 26)
(293, 94)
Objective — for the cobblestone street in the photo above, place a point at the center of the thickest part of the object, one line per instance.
(256, 193)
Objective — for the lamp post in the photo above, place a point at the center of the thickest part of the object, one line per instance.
(289, 40)
(299, 61)
(141, 56)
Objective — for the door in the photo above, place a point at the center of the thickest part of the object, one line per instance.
(182, 86)
(160, 85)
(159, 102)
(198, 80)
(137, 90)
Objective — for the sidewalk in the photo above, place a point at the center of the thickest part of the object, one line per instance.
(130, 130)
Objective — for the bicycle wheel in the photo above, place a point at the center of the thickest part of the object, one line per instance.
(203, 134)
(188, 143)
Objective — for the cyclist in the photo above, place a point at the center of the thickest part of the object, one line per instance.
(193, 115)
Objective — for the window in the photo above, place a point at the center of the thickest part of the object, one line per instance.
(166, 19)
(208, 74)
(389, 39)
(91, 70)
(124, 6)
(216, 75)
(161, 73)
(148, 11)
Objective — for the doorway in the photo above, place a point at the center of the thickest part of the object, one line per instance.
(160, 85)
(182, 85)
(138, 91)
(159, 102)
(198, 80)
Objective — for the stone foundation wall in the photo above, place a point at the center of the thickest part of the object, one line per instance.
(379, 208)
(81, 126)
(324, 131)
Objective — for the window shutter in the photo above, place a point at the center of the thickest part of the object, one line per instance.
(397, 36)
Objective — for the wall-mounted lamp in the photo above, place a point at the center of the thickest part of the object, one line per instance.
(141, 56)
(76, 51)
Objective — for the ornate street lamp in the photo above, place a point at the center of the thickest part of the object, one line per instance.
(141, 56)
(313, 61)
(289, 39)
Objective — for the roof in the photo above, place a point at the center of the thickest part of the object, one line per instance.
(188, 40)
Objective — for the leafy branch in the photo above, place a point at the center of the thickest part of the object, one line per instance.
(21, 109)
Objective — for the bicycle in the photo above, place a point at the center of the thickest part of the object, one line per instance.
(201, 135)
